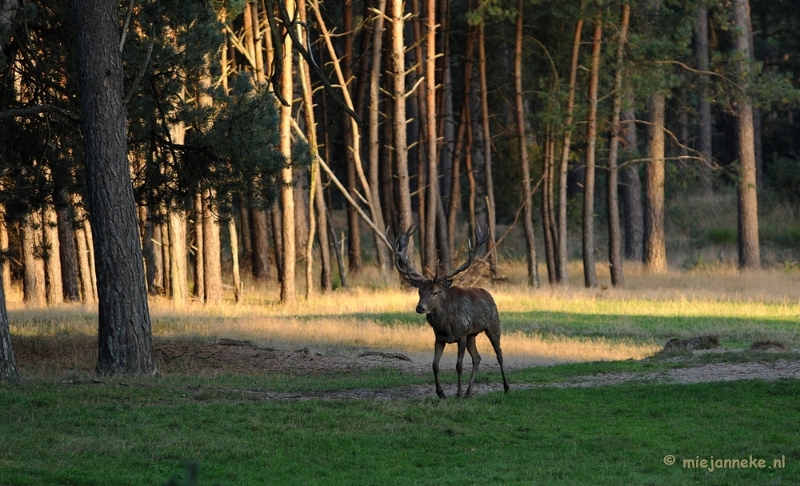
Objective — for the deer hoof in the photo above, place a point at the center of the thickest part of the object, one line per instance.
(440, 393)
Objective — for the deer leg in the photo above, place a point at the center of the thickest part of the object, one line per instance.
(462, 346)
(476, 361)
(494, 338)
(437, 355)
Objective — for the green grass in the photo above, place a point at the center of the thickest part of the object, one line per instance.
(143, 432)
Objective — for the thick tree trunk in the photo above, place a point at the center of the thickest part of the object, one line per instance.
(288, 255)
(399, 120)
(178, 259)
(212, 250)
(5, 267)
(245, 235)
(52, 256)
(527, 214)
(8, 364)
(66, 247)
(124, 337)
(749, 250)
(259, 225)
(655, 253)
(33, 279)
(703, 107)
(631, 187)
(166, 260)
(564, 163)
(614, 238)
(589, 270)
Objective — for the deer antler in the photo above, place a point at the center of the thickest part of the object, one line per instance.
(400, 247)
(481, 237)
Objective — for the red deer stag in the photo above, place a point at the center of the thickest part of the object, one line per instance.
(456, 314)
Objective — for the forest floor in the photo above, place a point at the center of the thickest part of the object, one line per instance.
(233, 357)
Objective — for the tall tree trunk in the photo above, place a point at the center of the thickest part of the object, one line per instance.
(8, 364)
(354, 259)
(547, 230)
(530, 241)
(238, 291)
(399, 119)
(487, 152)
(199, 252)
(178, 273)
(245, 235)
(655, 253)
(212, 250)
(85, 266)
(176, 224)
(749, 251)
(564, 163)
(374, 144)
(631, 185)
(614, 255)
(33, 281)
(148, 247)
(703, 107)
(165, 254)
(432, 156)
(288, 256)
(124, 337)
(589, 270)
(5, 267)
(260, 239)
(66, 247)
(52, 256)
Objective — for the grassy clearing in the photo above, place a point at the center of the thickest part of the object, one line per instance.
(141, 433)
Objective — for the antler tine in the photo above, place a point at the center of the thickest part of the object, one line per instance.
(481, 238)
(400, 246)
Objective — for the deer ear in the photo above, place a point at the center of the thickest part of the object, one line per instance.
(446, 284)
(414, 283)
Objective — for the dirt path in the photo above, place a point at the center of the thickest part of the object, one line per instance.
(75, 363)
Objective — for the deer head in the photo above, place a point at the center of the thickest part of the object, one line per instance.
(429, 289)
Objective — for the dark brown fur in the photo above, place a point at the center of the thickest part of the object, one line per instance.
(456, 314)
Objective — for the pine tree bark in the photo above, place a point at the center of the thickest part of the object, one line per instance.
(432, 147)
(66, 246)
(487, 152)
(89, 296)
(260, 240)
(564, 163)
(703, 107)
(33, 281)
(288, 255)
(5, 268)
(589, 270)
(178, 273)
(199, 252)
(212, 250)
(614, 238)
(399, 120)
(124, 337)
(374, 144)
(519, 111)
(354, 257)
(8, 363)
(655, 254)
(631, 187)
(238, 291)
(749, 250)
(547, 230)
(52, 256)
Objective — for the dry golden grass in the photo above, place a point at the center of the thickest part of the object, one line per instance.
(355, 319)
